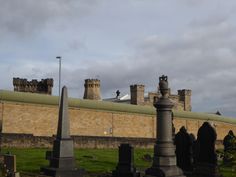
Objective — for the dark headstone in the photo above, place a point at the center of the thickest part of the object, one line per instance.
(229, 143)
(164, 160)
(194, 147)
(183, 143)
(62, 161)
(125, 167)
(8, 163)
(206, 157)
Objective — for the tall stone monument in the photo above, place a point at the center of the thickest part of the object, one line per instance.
(62, 161)
(164, 161)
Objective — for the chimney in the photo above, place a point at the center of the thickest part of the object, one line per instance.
(185, 97)
(137, 94)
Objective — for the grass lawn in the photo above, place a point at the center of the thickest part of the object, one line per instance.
(93, 160)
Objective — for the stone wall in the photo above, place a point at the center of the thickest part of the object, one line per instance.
(41, 120)
(24, 113)
(11, 140)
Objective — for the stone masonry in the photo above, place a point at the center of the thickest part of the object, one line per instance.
(23, 85)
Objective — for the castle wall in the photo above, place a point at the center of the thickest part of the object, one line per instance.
(41, 120)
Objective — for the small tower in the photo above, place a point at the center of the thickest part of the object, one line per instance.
(49, 83)
(92, 89)
(137, 94)
(185, 97)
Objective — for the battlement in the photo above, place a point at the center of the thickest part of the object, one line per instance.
(92, 83)
(137, 87)
(23, 85)
(184, 92)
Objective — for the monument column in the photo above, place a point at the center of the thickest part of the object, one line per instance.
(164, 160)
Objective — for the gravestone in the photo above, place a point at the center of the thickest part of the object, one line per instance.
(62, 160)
(164, 161)
(194, 147)
(125, 167)
(183, 143)
(229, 143)
(206, 157)
(8, 162)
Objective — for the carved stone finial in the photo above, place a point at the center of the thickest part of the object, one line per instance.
(163, 85)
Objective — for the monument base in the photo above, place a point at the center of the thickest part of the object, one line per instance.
(127, 174)
(206, 170)
(57, 172)
(168, 171)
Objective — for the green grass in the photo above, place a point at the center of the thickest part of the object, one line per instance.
(93, 160)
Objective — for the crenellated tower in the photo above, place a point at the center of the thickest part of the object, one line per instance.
(92, 89)
(185, 97)
(23, 85)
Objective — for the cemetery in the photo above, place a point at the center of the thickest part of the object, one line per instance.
(178, 148)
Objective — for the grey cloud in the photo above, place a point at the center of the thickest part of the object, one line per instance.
(26, 17)
(204, 62)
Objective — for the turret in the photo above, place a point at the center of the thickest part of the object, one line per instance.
(92, 89)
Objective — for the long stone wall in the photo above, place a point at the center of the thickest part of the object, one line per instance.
(25, 113)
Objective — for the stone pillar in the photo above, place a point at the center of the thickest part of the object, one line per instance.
(137, 94)
(164, 160)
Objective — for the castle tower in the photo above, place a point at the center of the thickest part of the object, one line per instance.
(92, 89)
(137, 94)
(49, 84)
(185, 97)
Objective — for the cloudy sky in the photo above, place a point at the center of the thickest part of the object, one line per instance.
(124, 42)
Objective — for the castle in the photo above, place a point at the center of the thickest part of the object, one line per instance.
(182, 101)
(23, 85)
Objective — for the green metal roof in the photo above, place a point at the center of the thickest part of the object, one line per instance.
(105, 105)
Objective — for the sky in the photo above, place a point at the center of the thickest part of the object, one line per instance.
(124, 42)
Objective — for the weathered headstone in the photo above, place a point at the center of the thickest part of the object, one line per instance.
(62, 161)
(164, 161)
(183, 143)
(8, 162)
(206, 160)
(125, 167)
(229, 143)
